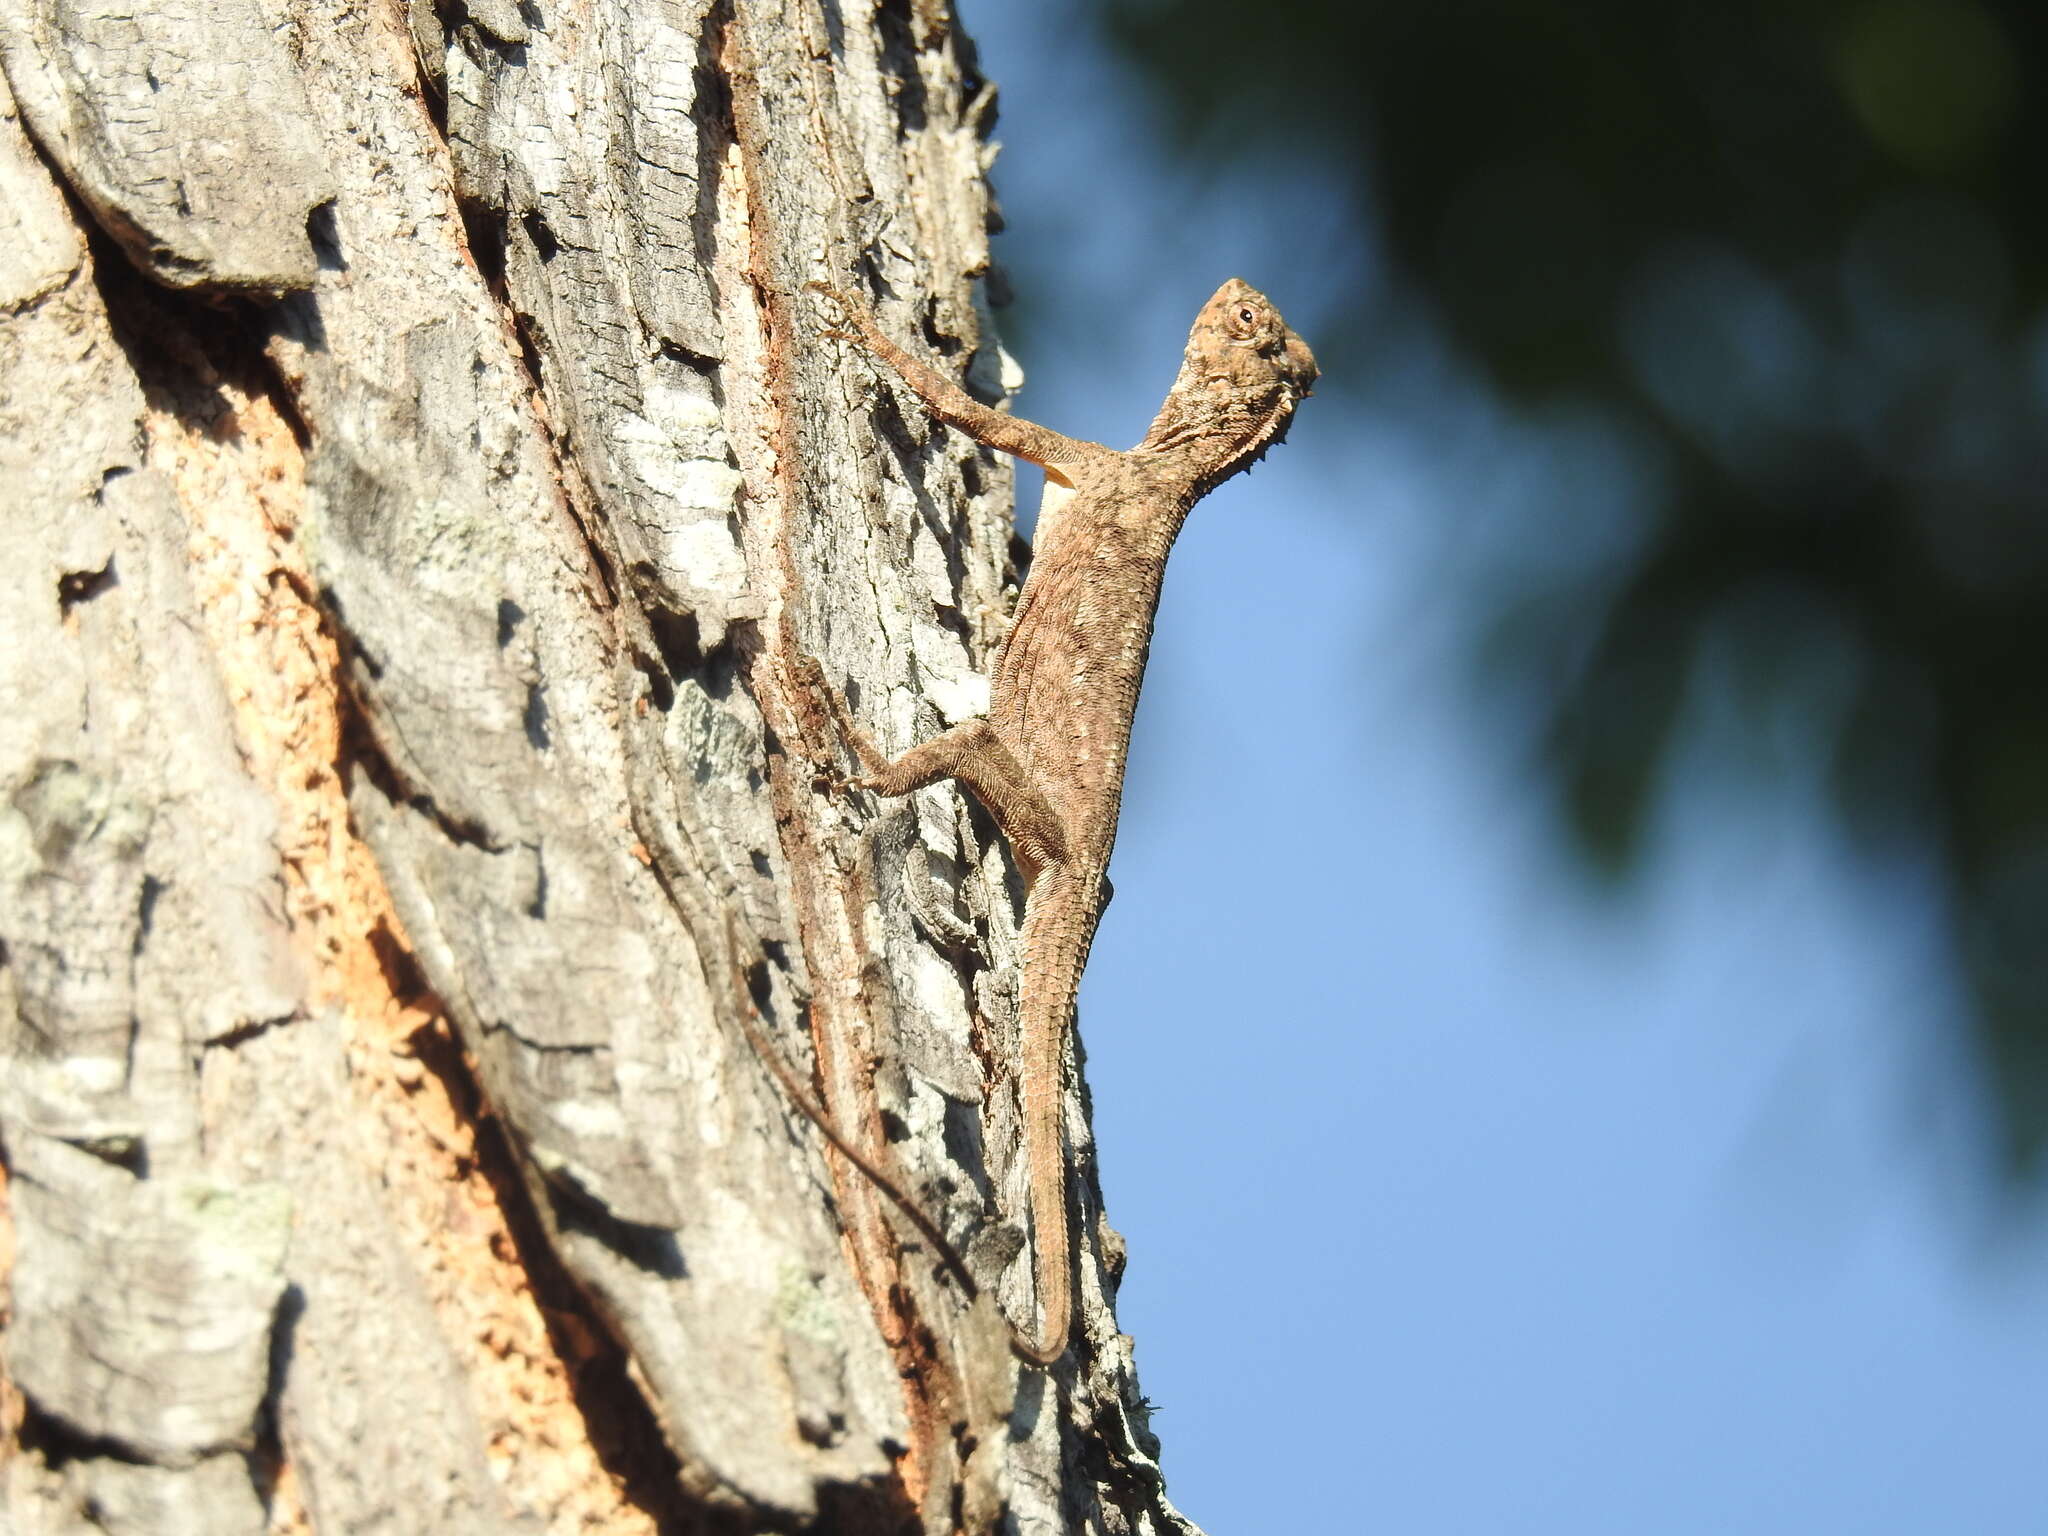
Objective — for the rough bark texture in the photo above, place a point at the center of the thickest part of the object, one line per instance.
(418, 483)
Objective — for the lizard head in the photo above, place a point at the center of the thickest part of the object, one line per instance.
(1240, 379)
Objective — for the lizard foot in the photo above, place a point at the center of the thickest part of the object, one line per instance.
(833, 782)
(847, 324)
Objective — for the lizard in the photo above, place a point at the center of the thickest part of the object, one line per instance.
(1047, 760)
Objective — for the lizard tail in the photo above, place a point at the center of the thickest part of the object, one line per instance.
(1055, 950)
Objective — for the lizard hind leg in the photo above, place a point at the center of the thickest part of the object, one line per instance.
(973, 752)
(946, 756)
(976, 754)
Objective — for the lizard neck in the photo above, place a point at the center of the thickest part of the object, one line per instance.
(1201, 443)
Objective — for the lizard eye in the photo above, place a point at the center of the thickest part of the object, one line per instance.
(1246, 315)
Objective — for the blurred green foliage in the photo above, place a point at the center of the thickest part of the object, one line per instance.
(1795, 252)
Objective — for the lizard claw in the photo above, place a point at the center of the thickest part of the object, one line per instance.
(833, 782)
(835, 294)
(848, 326)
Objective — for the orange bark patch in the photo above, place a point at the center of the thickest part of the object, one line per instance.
(240, 475)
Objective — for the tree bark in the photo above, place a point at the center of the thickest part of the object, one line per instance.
(423, 481)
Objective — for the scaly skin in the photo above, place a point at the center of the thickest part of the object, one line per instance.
(1048, 760)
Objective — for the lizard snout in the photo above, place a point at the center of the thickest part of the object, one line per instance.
(1300, 369)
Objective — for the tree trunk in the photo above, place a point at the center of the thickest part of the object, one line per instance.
(423, 480)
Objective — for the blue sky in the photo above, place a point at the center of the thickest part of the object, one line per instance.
(1463, 1198)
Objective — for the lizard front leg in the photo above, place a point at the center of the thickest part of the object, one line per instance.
(1058, 455)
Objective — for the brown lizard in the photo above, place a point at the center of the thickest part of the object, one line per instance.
(1048, 758)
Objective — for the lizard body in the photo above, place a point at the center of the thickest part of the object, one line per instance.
(1048, 759)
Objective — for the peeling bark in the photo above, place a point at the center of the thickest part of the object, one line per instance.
(422, 488)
